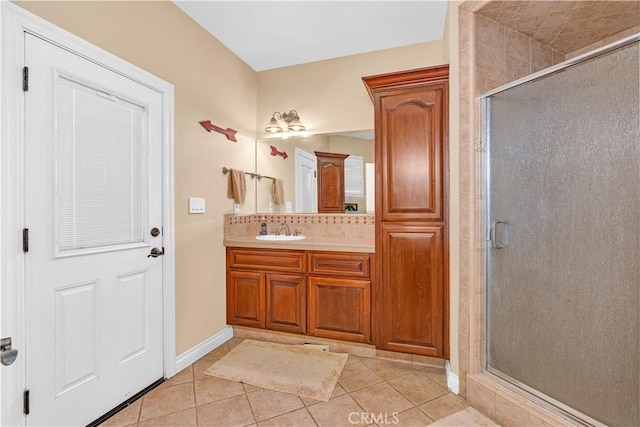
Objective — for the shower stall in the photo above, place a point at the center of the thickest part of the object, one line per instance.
(563, 214)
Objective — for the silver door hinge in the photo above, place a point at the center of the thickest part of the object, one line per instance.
(25, 79)
(25, 240)
(25, 402)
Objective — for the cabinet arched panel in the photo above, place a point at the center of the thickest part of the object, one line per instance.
(411, 132)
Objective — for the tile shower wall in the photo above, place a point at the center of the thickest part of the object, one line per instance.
(324, 225)
(490, 55)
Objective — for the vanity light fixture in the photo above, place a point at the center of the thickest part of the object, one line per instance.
(291, 119)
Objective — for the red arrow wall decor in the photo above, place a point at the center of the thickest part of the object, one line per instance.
(275, 152)
(228, 132)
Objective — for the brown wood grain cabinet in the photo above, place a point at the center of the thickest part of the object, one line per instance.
(245, 298)
(330, 182)
(340, 308)
(286, 302)
(411, 151)
(319, 293)
(263, 290)
(340, 296)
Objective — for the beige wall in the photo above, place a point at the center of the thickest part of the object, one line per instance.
(210, 83)
(329, 95)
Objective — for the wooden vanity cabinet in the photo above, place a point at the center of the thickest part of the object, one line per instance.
(330, 182)
(324, 294)
(339, 302)
(411, 133)
(267, 289)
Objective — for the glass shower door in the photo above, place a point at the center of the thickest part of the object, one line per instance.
(563, 297)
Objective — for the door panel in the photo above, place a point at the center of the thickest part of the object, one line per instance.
(412, 171)
(286, 302)
(563, 273)
(93, 191)
(132, 293)
(413, 272)
(340, 308)
(246, 298)
(76, 319)
(306, 182)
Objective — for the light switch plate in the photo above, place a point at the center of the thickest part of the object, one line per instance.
(196, 205)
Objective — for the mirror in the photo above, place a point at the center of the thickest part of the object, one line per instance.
(292, 160)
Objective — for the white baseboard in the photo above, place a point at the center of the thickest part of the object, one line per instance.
(193, 354)
(453, 383)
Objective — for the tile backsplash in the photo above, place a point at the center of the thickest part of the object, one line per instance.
(357, 226)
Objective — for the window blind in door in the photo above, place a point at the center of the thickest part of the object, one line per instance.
(100, 167)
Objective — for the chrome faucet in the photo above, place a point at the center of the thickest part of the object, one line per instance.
(286, 228)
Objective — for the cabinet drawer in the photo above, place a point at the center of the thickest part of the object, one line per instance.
(266, 260)
(340, 264)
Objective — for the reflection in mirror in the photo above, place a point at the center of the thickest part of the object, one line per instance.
(293, 161)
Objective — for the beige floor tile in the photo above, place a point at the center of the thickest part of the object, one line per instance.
(200, 366)
(381, 399)
(357, 376)
(217, 352)
(354, 359)
(186, 418)
(467, 417)
(337, 391)
(126, 416)
(165, 401)
(411, 418)
(443, 406)
(231, 412)
(418, 388)
(386, 369)
(436, 374)
(270, 403)
(248, 388)
(298, 418)
(184, 376)
(233, 342)
(335, 412)
(212, 389)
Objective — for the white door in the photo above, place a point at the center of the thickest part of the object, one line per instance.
(93, 175)
(306, 182)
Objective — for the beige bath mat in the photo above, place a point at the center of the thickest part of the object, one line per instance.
(293, 369)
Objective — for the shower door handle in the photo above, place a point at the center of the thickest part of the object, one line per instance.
(498, 234)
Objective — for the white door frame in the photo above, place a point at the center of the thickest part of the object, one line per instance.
(14, 21)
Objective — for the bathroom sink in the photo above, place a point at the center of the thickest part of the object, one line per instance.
(280, 238)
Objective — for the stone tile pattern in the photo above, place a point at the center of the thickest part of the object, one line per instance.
(503, 55)
(357, 226)
(565, 26)
(370, 391)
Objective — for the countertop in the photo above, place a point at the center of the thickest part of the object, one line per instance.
(310, 243)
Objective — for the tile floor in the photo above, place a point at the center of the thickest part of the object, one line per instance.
(369, 392)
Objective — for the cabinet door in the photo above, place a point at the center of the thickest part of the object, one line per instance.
(245, 299)
(411, 294)
(286, 302)
(411, 162)
(330, 182)
(340, 308)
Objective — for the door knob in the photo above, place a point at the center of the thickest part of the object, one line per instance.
(7, 355)
(155, 253)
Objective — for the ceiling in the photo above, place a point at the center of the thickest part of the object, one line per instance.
(275, 34)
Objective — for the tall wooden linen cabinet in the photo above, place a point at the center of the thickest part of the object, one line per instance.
(411, 290)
